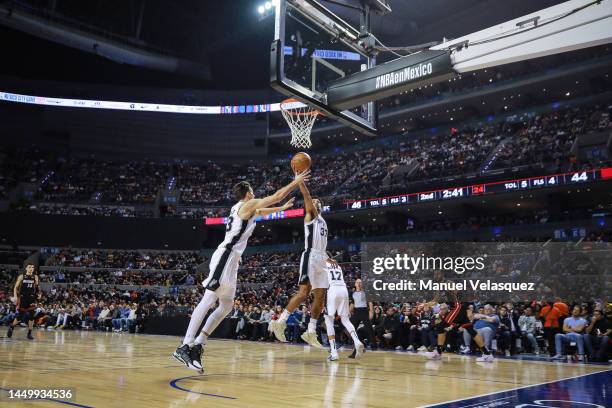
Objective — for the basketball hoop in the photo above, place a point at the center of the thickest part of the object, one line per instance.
(301, 118)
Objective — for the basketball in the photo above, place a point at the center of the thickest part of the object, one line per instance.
(460, 167)
(300, 162)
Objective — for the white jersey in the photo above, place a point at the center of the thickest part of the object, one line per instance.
(337, 294)
(335, 277)
(226, 258)
(237, 230)
(315, 234)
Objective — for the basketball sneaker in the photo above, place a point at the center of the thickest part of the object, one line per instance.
(359, 350)
(196, 356)
(433, 355)
(333, 356)
(182, 355)
(311, 338)
(9, 333)
(485, 358)
(279, 330)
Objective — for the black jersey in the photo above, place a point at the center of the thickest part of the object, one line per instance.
(27, 292)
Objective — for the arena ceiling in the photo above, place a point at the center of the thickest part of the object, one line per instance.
(226, 37)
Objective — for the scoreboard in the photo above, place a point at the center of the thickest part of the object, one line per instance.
(529, 183)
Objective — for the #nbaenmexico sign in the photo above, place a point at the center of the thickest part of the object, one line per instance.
(388, 79)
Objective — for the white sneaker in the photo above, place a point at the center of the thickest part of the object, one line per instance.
(410, 348)
(311, 338)
(507, 353)
(580, 357)
(422, 348)
(433, 355)
(399, 348)
(464, 350)
(333, 356)
(359, 348)
(279, 330)
(485, 358)
(558, 357)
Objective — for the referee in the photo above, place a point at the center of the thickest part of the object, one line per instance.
(362, 312)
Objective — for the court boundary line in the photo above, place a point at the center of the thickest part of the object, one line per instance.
(173, 384)
(512, 389)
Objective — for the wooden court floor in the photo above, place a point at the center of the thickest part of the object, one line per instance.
(125, 370)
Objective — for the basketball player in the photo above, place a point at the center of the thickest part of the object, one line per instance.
(221, 282)
(25, 293)
(338, 302)
(446, 320)
(313, 275)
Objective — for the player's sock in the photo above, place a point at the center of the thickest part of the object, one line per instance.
(312, 326)
(439, 349)
(485, 350)
(284, 316)
(332, 344)
(201, 339)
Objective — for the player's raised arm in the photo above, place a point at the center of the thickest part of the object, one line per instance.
(271, 210)
(249, 208)
(309, 206)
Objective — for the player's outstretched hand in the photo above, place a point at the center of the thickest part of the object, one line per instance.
(303, 176)
(288, 204)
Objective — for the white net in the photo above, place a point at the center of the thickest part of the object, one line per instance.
(301, 119)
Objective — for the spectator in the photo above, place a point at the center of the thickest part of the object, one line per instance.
(573, 328)
(408, 329)
(390, 329)
(486, 324)
(505, 331)
(527, 325)
(62, 319)
(550, 316)
(597, 336)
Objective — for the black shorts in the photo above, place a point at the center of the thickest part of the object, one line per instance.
(457, 316)
(26, 305)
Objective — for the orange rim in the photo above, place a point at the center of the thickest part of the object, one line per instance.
(312, 112)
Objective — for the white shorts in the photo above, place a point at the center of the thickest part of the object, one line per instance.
(223, 273)
(337, 301)
(313, 269)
